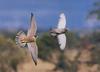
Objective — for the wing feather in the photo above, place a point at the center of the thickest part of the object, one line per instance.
(34, 51)
(33, 28)
(62, 41)
(62, 21)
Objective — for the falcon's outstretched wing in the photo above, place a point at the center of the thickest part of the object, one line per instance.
(18, 38)
(34, 51)
(62, 21)
(33, 28)
(62, 41)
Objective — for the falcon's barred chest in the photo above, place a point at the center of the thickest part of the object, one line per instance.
(28, 39)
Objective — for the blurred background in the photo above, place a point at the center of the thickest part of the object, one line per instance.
(82, 53)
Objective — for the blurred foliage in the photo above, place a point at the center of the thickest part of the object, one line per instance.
(95, 37)
(47, 45)
(72, 39)
(94, 40)
(10, 54)
(96, 9)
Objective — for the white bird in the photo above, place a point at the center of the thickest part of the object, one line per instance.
(59, 32)
(29, 39)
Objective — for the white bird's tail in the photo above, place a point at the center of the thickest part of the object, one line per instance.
(20, 35)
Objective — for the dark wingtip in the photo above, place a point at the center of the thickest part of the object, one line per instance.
(34, 60)
(35, 63)
(32, 14)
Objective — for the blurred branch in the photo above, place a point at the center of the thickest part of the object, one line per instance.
(96, 10)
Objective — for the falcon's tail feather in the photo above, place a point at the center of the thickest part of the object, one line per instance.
(17, 39)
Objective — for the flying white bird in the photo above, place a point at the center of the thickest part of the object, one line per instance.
(59, 32)
(29, 39)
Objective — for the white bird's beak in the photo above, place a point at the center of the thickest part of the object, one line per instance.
(68, 29)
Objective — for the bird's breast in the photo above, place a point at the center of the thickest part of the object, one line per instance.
(31, 39)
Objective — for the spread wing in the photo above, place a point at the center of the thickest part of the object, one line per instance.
(33, 50)
(62, 41)
(33, 28)
(62, 21)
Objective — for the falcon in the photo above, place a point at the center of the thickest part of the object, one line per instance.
(29, 39)
(59, 32)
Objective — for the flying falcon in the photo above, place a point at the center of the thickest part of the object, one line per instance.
(29, 39)
(59, 32)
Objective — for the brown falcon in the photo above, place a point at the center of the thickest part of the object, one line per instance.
(29, 39)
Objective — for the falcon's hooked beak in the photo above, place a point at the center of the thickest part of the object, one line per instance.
(36, 36)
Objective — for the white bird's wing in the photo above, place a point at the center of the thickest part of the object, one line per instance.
(62, 41)
(62, 21)
(33, 28)
(33, 50)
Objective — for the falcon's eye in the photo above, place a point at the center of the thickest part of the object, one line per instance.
(36, 36)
